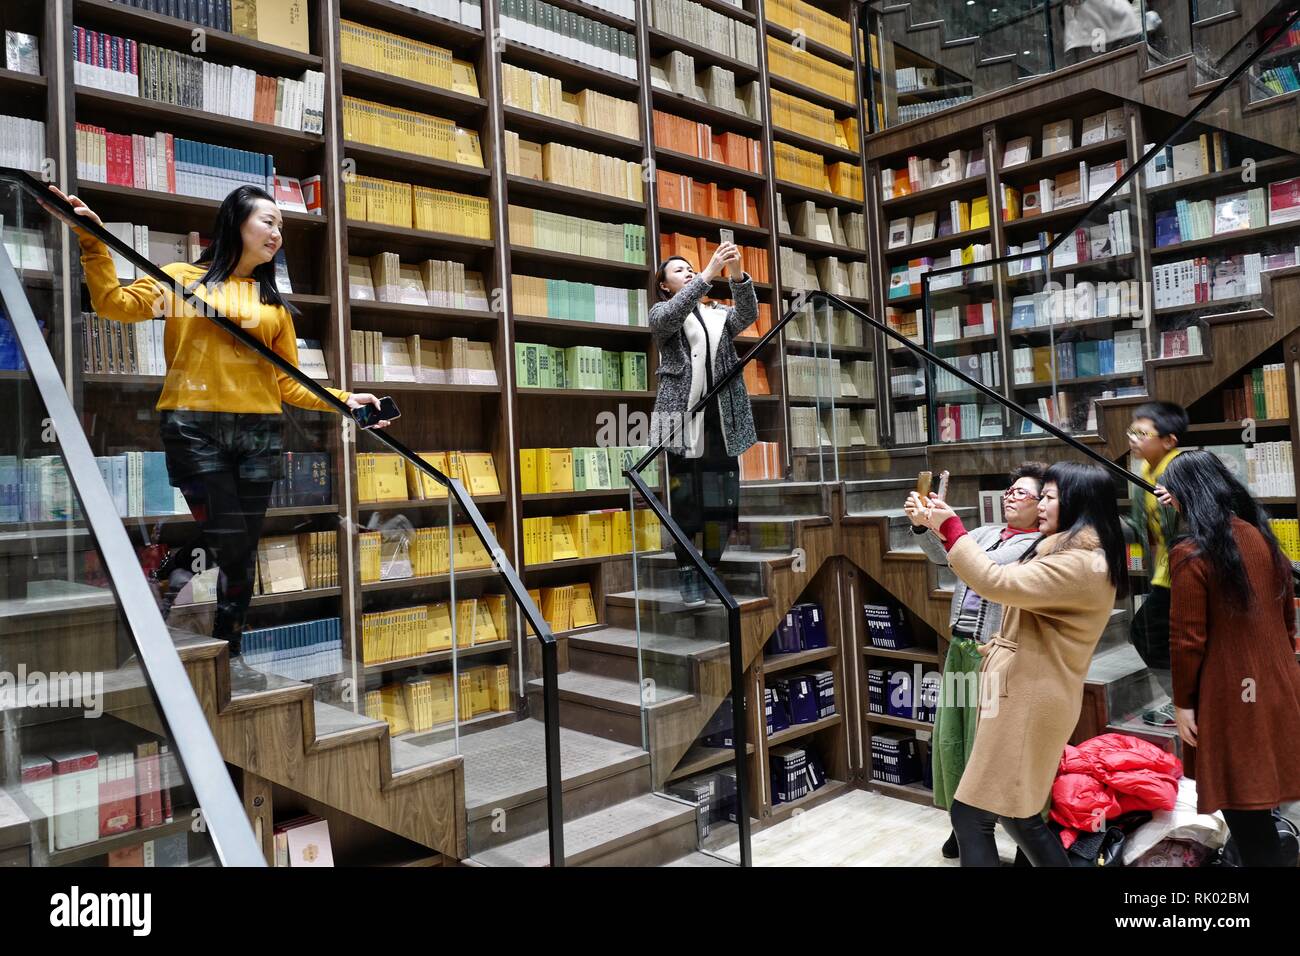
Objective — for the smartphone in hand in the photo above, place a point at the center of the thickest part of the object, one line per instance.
(368, 416)
(923, 482)
(942, 492)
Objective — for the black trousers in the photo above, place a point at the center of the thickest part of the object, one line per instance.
(229, 512)
(704, 492)
(974, 829)
(1256, 836)
(225, 464)
(1150, 630)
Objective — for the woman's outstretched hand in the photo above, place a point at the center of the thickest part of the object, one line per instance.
(79, 207)
(724, 256)
(358, 399)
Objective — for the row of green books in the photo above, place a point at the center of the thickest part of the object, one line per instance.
(579, 367)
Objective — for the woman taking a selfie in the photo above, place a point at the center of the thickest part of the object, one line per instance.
(1057, 602)
(696, 349)
(220, 408)
(1232, 643)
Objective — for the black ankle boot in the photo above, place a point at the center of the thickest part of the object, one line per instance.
(244, 679)
(950, 850)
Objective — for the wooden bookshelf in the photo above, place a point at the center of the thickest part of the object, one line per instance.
(528, 124)
(370, 84)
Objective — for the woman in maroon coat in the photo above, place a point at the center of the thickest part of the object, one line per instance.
(1236, 679)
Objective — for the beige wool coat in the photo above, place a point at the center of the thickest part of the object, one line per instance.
(1057, 605)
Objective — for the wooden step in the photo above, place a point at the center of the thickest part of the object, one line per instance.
(644, 831)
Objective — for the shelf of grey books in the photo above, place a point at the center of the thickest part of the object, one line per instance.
(145, 26)
(661, 43)
(112, 110)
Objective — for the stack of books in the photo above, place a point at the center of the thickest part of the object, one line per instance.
(698, 139)
(539, 93)
(799, 16)
(805, 168)
(1202, 280)
(566, 607)
(120, 65)
(579, 367)
(1119, 355)
(557, 232)
(924, 173)
(798, 65)
(398, 634)
(1263, 394)
(456, 361)
(676, 72)
(797, 115)
(388, 477)
(911, 426)
(574, 167)
(440, 283)
(685, 194)
(895, 757)
(382, 52)
(959, 217)
(825, 274)
(886, 627)
(406, 131)
(824, 223)
(706, 27)
(403, 552)
(549, 470)
(301, 651)
(590, 534)
(1266, 468)
(578, 301)
(562, 32)
(389, 203)
(762, 461)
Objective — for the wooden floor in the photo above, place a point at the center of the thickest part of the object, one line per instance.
(860, 829)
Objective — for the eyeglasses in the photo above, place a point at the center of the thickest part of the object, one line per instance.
(1138, 434)
(1018, 494)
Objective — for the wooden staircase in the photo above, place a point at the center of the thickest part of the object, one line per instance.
(325, 753)
(922, 28)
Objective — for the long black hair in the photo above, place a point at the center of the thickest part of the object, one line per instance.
(1086, 499)
(1209, 497)
(227, 246)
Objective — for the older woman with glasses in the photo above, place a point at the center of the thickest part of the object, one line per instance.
(973, 620)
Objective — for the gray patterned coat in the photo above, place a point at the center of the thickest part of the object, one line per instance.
(674, 370)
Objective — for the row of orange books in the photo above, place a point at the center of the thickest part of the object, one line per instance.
(762, 462)
(762, 325)
(685, 194)
(756, 382)
(698, 139)
(698, 251)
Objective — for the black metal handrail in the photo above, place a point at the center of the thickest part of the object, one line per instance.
(62, 210)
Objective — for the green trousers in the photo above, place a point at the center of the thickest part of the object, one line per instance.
(954, 723)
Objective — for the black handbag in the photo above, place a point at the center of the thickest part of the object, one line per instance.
(1105, 848)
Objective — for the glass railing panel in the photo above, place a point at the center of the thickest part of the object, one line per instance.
(684, 654)
(93, 773)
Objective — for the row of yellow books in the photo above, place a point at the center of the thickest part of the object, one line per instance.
(405, 552)
(384, 52)
(565, 607)
(588, 535)
(809, 169)
(402, 633)
(392, 127)
(382, 476)
(814, 23)
(808, 119)
(800, 66)
(549, 470)
(417, 207)
(1287, 532)
(571, 166)
(539, 93)
(420, 704)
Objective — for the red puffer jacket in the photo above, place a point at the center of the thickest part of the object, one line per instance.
(1110, 775)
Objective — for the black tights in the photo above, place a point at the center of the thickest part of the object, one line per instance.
(974, 829)
(229, 512)
(1256, 836)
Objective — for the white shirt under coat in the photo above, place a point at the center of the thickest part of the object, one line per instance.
(715, 320)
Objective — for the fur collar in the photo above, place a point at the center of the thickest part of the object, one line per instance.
(1085, 540)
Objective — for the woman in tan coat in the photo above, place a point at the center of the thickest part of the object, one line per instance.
(1058, 601)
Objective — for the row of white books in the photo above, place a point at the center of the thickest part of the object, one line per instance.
(811, 427)
(1190, 281)
(809, 376)
(1266, 468)
(911, 427)
(22, 143)
(805, 218)
(705, 27)
(827, 274)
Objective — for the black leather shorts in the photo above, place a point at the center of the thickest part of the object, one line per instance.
(197, 443)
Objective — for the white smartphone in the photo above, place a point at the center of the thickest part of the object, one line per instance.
(729, 235)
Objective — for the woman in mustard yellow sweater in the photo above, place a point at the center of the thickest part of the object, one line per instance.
(220, 408)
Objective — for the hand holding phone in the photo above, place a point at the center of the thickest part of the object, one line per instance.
(923, 482)
(942, 492)
(368, 416)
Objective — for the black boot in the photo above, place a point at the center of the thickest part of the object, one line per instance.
(950, 850)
